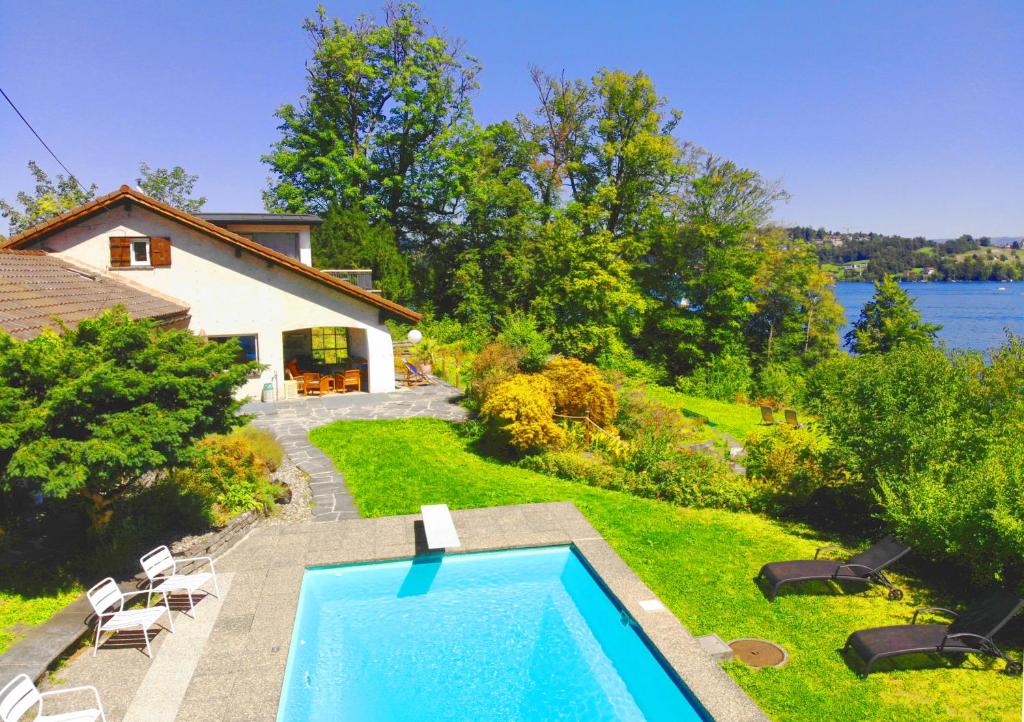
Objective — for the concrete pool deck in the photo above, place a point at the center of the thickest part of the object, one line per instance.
(228, 664)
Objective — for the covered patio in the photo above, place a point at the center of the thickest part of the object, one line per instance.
(324, 360)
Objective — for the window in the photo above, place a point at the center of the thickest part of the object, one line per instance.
(140, 252)
(247, 352)
(286, 243)
(330, 345)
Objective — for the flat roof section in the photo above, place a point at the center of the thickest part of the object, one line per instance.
(263, 219)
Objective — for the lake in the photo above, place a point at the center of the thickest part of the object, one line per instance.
(973, 314)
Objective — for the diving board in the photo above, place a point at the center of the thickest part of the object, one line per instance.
(439, 527)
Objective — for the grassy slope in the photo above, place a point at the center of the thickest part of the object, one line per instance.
(737, 420)
(21, 610)
(701, 563)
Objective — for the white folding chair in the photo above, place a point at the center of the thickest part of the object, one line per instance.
(20, 695)
(161, 570)
(105, 596)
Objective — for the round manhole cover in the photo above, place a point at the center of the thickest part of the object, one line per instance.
(758, 652)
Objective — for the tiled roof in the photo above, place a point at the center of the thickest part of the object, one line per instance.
(126, 194)
(37, 288)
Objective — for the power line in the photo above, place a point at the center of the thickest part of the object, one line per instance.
(40, 139)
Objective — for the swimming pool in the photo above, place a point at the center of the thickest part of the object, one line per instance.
(524, 634)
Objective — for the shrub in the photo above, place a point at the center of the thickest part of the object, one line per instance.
(616, 356)
(493, 366)
(726, 377)
(263, 444)
(780, 384)
(577, 466)
(694, 480)
(519, 331)
(88, 414)
(973, 515)
(228, 472)
(786, 461)
(579, 389)
(520, 410)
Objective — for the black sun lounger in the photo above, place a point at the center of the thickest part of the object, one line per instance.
(970, 633)
(866, 567)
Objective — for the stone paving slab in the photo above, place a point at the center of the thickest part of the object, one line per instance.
(291, 421)
(233, 671)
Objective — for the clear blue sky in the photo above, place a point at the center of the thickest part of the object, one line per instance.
(894, 116)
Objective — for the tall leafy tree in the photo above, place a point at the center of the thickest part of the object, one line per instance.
(889, 320)
(50, 198)
(172, 186)
(703, 270)
(386, 106)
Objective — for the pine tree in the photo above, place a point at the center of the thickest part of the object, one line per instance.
(889, 320)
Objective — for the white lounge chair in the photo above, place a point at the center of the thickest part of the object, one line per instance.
(105, 596)
(20, 695)
(161, 570)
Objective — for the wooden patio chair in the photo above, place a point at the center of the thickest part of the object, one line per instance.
(767, 416)
(791, 419)
(352, 379)
(310, 383)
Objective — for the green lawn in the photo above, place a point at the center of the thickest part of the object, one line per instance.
(25, 603)
(737, 420)
(701, 563)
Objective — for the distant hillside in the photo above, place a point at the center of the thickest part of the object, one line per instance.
(864, 256)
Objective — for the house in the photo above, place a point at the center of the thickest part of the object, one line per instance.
(244, 276)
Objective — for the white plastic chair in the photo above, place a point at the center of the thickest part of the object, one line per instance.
(105, 595)
(20, 695)
(161, 570)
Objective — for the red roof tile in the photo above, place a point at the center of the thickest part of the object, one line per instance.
(37, 290)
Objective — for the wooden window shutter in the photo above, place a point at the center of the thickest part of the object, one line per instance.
(160, 252)
(120, 252)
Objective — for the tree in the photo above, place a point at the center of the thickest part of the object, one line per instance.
(51, 198)
(889, 320)
(702, 268)
(346, 239)
(171, 186)
(386, 108)
(87, 413)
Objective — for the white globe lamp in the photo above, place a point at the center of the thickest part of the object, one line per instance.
(415, 336)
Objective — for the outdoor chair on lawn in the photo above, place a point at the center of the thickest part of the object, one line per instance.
(20, 695)
(105, 596)
(865, 568)
(767, 416)
(791, 418)
(161, 570)
(970, 633)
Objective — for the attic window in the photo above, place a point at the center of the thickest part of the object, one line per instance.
(140, 252)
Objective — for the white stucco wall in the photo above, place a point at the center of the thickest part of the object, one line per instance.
(232, 295)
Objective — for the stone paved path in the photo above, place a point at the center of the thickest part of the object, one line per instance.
(291, 422)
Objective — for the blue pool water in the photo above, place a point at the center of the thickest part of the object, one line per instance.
(513, 635)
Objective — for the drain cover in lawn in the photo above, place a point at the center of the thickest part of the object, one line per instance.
(758, 652)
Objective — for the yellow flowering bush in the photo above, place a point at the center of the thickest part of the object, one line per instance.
(521, 408)
(580, 389)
